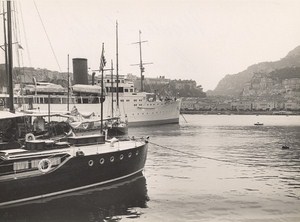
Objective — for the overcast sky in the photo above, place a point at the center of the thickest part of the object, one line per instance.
(201, 40)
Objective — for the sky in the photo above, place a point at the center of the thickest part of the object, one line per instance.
(201, 40)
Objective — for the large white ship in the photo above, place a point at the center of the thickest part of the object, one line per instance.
(138, 108)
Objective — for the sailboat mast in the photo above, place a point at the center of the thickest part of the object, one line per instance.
(10, 59)
(102, 64)
(117, 64)
(112, 91)
(5, 46)
(101, 102)
(68, 106)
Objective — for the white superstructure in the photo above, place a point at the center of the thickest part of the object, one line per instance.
(139, 108)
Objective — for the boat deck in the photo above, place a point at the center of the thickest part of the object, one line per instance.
(88, 149)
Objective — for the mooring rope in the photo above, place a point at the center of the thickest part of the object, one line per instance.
(206, 157)
(183, 117)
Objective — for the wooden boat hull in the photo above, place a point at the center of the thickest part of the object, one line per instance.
(100, 201)
(77, 173)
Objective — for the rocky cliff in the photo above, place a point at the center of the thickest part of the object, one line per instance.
(238, 84)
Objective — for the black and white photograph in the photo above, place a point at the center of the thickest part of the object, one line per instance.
(149, 110)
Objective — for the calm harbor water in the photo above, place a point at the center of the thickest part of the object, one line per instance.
(207, 168)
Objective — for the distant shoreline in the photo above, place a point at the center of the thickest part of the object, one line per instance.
(289, 113)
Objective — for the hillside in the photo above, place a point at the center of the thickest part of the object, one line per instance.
(234, 84)
(26, 75)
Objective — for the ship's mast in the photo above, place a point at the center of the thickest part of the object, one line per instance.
(117, 64)
(141, 64)
(141, 61)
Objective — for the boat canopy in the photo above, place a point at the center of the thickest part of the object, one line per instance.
(95, 89)
(9, 115)
(46, 88)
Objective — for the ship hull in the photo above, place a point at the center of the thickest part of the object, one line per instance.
(155, 122)
(76, 174)
(137, 113)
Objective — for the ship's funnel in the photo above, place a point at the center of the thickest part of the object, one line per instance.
(80, 71)
(93, 78)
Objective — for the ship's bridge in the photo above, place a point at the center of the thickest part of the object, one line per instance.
(124, 85)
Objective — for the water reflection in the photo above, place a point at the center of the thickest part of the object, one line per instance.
(110, 203)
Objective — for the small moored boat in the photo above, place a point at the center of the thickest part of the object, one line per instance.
(285, 147)
(44, 168)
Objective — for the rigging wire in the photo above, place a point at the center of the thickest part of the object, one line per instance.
(17, 35)
(47, 35)
(25, 35)
(206, 157)
(19, 53)
(183, 117)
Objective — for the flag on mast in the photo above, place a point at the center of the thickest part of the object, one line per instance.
(102, 59)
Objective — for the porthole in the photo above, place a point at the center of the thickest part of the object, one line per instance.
(112, 159)
(129, 154)
(121, 157)
(91, 163)
(101, 161)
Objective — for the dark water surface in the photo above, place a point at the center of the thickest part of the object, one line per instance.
(210, 168)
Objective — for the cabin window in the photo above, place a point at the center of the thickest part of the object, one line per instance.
(134, 100)
(85, 100)
(131, 90)
(122, 100)
(126, 90)
(101, 160)
(55, 161)
(55, 100)
(112, 159)
(112, 89)
(127, 100)
(21, 165)
(26, 100)
(93, 99)
(78, 100)
(34, 163)
(135, 104)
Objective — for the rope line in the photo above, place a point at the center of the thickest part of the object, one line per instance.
(47, 35)
(205, 157)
